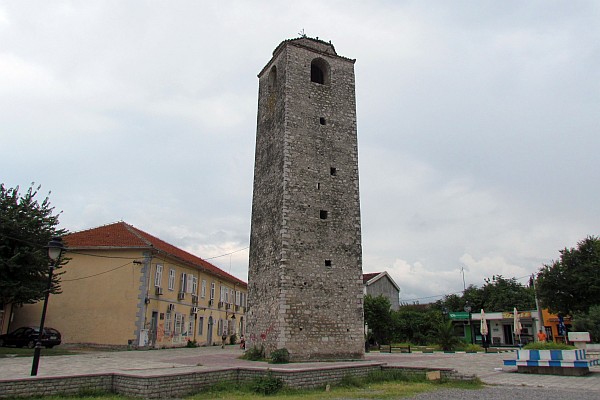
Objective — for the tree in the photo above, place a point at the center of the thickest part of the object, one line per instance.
(589, 322)
(26, 226)
(414, 324)
(497, 294)
(378, 317)
(501, 294)
(572, 283)
(445, 336)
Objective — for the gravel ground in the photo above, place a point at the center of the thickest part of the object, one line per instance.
(506, 393)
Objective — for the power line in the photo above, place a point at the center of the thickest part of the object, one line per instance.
(98, 274)
(227, 254)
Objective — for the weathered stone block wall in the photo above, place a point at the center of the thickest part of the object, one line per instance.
(305, 276)
(179, 385)
(51, 386)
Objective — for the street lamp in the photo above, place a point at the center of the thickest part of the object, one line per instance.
(55, 249)
(468, 310)
(445, 313)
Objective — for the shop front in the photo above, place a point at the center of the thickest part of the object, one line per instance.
(500, 327)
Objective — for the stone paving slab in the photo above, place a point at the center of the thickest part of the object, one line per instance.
(488, 367)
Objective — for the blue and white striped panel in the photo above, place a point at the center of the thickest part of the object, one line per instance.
(534, 355)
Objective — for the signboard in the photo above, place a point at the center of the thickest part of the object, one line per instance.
(522, 314)
(458, 315)
(579, 336)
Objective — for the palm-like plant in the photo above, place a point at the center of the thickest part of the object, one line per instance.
(443, 334)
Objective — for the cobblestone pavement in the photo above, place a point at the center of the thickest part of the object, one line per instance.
(488, 367)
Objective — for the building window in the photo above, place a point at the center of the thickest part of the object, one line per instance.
(319, 71)
(322, 121)
(237, 297)
(179, 324)
(194, 284)
(203, 289)
(189, 286)
(323, 214)
(212, 291)
(183, 282)
(333, 171)
(190, 329)
(168, 317)
(171, 279)
(158, 275)
(200, 326)
(328, 263)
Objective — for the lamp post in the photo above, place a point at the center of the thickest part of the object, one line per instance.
(55, 249)
(445, 313)
(468, 310)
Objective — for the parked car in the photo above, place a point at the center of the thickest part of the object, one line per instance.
(27, 337)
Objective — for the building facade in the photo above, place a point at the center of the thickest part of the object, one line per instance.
(500, 327)
(305, 272)
(382, 284)
(125, 287)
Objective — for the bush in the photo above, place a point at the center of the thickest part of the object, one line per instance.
(444, 336)
(280, 356)
(191, 343)
(473, 347)
(548, 346)
(266, 385)
(254, 354)
(589, 322)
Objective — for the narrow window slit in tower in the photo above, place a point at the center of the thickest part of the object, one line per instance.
(323, 214)
(322, 121)
(328, 263)
(318, 186)
(333, 171)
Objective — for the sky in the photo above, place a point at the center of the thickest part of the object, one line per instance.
(478, 124)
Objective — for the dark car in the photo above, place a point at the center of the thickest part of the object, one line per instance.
(27, 337)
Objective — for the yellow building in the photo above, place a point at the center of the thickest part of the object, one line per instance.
(123, 286)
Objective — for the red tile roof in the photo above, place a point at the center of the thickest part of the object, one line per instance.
(121, 235)
(369, 276)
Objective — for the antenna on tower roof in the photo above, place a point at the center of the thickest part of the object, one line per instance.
(301, 33)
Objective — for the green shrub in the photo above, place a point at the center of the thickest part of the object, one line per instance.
(266, 385)
(254, 354)
(473, 347)
(191, 344)
(445, 337)
(548, 346)
(280, 356)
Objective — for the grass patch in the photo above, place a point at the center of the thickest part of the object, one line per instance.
(372, 390)
(23, 352)
(383, 389)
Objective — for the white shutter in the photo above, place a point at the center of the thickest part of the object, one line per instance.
(183, 281)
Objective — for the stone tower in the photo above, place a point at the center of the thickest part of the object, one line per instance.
(305, 274)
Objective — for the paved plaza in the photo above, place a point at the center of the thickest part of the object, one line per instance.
(488, 367)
